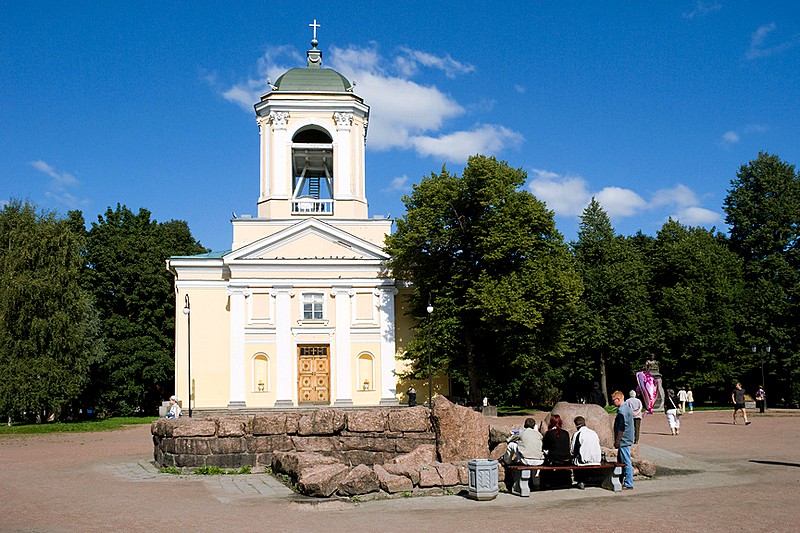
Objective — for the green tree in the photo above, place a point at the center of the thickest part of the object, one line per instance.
(697, 291)
(615, 329)
(500, 277)
(763, 212)
(126, 273)
(48, 328)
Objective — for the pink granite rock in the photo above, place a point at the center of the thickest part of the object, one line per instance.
(462, 433)
(367, 420)
(596, 418)
(360, 480)
(403, 470)
(322, 480)
(413, 419)
(392, 483)
(422, 455)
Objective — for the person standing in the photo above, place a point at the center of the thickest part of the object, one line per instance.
(690, 400)
(737, 397)
(673, 412)
(761, 399)
(624, 437)
(596, 395)
(412, 396)
(682, 399)
(636, 406)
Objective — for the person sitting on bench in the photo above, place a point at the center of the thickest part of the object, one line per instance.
(585, 449)
(525, 446)
(556, 448)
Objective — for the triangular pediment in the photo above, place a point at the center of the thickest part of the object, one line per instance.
(311, 239)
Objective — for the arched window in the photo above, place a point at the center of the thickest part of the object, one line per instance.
(366, 371)
(260, 373)
(312, 172)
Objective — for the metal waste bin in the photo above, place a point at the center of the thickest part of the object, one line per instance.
(482, 479)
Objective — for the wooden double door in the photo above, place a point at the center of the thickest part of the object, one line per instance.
(314, 374)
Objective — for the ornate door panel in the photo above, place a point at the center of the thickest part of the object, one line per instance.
(313, 374)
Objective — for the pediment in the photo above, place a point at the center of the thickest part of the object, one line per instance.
(310, 239)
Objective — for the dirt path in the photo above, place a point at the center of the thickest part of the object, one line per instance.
(734, 477)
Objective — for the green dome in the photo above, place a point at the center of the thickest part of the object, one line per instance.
(313, 80)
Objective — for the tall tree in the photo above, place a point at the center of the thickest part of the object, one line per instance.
(615, 330)
(48, 330)
(763, 212)
(126, 273)
(500, 276)
(697, 290)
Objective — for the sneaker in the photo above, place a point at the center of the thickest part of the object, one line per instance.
(747, 423)
(625, 487)
(581, 486)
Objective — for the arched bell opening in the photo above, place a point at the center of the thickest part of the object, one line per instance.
(312, 172)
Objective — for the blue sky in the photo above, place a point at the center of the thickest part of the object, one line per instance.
(649, 106)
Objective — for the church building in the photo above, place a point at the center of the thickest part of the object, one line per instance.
(300, 311)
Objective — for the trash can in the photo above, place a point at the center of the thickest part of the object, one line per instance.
(482, 479)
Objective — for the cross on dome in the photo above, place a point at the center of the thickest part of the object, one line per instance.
(314, 27)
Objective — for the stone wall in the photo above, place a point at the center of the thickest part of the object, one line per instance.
(352, 437)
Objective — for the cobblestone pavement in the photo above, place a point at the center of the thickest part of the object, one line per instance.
(713, 477)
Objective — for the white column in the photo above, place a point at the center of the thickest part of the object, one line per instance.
(342, 180)
(343, 367)
(237, 356)
(265, 137)
(285, 360)
(280, 175)
(388, 375)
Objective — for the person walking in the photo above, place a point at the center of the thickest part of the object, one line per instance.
(673, 412)
(636, 406)
(737, 397)
(682, 399)
(623, 437)
(690, 400)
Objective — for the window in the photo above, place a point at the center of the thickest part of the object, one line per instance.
(312, 306)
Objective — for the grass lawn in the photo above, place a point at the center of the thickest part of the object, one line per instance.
(76, 427)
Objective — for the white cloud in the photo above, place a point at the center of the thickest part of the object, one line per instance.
(679, 195)
(701, 9)
(619, 202)
(398, 184)
(569, 195)
(409, 63)
(59, 184)
(459, 145)
(402, 108)
(730, 137)
(60, 179)
(566, 195)
(697, 216)
(757, 47)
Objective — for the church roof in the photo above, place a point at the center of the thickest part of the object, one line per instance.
(313, 80)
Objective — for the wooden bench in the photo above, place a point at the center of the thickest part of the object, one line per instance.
(522, 475)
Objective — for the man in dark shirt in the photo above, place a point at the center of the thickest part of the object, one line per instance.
(737, 397)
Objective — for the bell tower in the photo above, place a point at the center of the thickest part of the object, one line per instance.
(313, 133)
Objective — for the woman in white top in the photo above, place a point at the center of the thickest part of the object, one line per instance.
(671, 408)
(174, 408)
